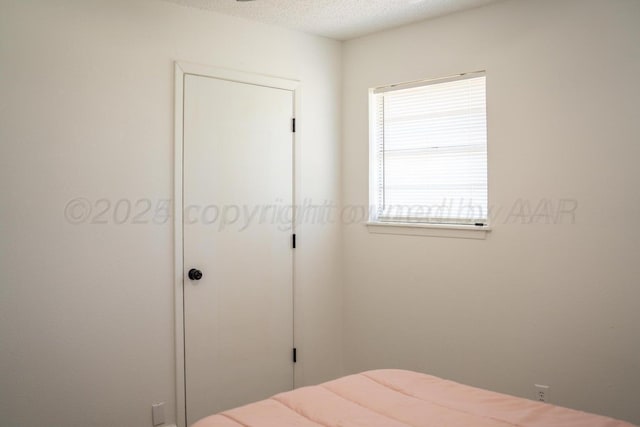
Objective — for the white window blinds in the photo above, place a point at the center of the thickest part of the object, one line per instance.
(429, 157)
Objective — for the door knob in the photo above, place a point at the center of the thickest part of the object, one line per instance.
(195, 274)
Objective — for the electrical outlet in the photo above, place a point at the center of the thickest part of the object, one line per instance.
(542, 393)
(157, 413)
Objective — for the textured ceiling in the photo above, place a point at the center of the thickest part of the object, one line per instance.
(338, 19)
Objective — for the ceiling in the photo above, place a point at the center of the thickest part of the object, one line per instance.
(337, 19)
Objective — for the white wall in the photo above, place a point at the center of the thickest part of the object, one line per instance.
(533, 303)
(86, 110)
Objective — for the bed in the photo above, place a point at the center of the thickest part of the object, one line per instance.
(398, 398)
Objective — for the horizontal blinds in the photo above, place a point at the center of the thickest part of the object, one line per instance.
(432, 152)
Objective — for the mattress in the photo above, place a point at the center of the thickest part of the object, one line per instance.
(398, 398)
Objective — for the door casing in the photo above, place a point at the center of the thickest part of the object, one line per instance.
(181, 70)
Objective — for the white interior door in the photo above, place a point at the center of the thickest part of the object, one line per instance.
(237, 171)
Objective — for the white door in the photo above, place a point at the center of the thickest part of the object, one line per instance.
(237, 171)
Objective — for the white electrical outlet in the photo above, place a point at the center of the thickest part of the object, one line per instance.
(542, 393)
(157, 413)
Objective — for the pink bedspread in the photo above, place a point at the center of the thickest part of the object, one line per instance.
(396, 398)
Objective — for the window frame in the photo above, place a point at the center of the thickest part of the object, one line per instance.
(421, 226)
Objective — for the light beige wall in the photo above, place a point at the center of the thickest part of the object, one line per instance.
(86, 110)
(542, 303)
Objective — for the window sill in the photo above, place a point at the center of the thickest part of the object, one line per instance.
(433, 230)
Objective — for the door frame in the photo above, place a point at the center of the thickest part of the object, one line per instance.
(183, 69)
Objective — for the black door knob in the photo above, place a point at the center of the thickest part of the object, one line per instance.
(195, 274)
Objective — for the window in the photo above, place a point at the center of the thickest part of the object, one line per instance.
(429, 152)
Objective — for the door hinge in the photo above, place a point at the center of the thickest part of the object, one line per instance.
(295, 355)
(293, 241)
(293, 125)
